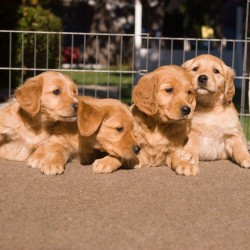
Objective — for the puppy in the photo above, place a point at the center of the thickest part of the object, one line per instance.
(164, 102)
(41, 102)
(105, 139)
(106, 128)
(216, 132)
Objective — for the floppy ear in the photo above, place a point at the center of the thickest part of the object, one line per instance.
(89, 118)
(229, 84)
(28, 95)
(186, 65)
(144, 94)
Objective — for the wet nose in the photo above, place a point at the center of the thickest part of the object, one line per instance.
(185, 110)
(202, 79)
(136, 149)
(74, 105)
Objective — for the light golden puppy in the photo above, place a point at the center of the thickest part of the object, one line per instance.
(41, 102)
(164, 102)
(216, 131)
(105, 139)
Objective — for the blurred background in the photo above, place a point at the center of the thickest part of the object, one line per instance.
(95, 42)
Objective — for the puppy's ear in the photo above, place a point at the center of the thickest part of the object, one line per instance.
(229, 84)
(89, 118)
(144, 94)
(187, 64)
(28, 95)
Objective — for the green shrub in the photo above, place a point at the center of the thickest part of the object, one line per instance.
(37, 50)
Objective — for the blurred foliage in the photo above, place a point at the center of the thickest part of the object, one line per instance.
(196, 14)
(8, 14)
(37, 50)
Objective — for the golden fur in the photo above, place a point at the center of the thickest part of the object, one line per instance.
(106, 126)
(41, 102)
(216, 131)
(105, 139)
(164, 101)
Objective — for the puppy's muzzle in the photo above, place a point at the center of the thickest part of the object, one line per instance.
(202, 80)
(185, 110)
(136, 149)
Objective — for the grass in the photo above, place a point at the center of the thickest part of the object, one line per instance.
(245, 123)
(124, 81)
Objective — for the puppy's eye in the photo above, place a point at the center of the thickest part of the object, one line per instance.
(120, 129)
(170, 90)
(57, 92)
(216, 71)
(195, 69)
(190, 92)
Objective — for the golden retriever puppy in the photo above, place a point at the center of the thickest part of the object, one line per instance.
(216, 131)
(105, 139)
(106, 128)
(164, 102)
(41, 102)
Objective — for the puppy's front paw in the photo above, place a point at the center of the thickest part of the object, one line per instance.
(186, 156)
(105, 165)
(245, 163)
(188, 170)
(46, 167)
(52, 169)
(34, 162)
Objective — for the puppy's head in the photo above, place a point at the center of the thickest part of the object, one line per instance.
(111, 124)
(166, 93)
(52, 94)
(211, 77)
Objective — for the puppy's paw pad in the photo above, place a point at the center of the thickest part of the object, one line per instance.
(188, 170)
(52, 169)
(103, 166)
(245, 164)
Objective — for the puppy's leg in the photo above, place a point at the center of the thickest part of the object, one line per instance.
(50, 158)
(237, 148)
(183, 163)
(106, 165)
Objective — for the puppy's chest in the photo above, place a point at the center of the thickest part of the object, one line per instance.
(33, 138)
(155, 146)
(213, 131)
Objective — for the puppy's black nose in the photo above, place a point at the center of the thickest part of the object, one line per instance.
(185, 110)
(136, 149)
(202, 79)
(74, 105)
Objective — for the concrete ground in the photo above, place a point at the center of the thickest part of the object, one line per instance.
(150, 208)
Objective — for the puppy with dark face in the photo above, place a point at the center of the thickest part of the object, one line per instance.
(106, 128)
(216, 131)
(164, 102)
(41, 102)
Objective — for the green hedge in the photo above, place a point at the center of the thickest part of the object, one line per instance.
(37, 50)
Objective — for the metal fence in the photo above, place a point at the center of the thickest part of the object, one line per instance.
(108, 65)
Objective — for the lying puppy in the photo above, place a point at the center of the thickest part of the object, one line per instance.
(41, 102)
(106, 126)
(216, 131)
(105, 138)
(164, 101)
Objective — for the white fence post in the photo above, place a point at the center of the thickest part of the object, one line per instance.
(138, 29)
